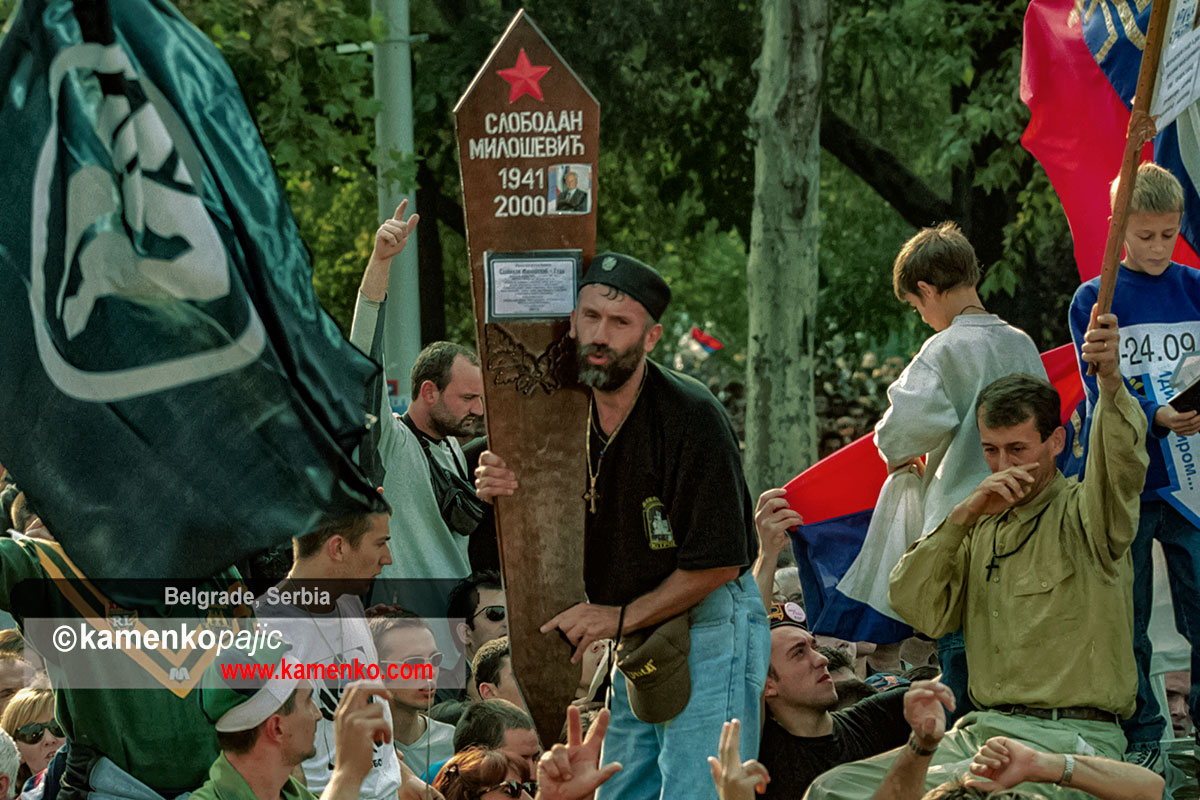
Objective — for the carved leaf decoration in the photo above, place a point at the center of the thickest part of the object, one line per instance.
(510, 362)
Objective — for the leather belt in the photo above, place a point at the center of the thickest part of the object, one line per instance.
(1072, 712)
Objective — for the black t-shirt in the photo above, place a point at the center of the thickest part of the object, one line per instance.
(672, 494)
(865, 729)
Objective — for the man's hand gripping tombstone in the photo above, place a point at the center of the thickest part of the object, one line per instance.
(582, 623)
(1003, 489)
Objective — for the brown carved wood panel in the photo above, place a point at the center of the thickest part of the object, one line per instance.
(525, 122)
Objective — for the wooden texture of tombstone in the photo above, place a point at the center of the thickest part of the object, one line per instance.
(524, 122)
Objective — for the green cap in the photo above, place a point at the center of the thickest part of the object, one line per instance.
(625, 273)
(239, 691)
(655, 665)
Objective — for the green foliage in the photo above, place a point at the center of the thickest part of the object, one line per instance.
(704, 265)
(315, 109)
(1038, 262)
(860, 236)
(934, 82)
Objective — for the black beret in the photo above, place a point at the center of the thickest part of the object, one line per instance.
(625, 273)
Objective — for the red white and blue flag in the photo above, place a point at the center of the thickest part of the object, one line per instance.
(1078, 73)
(836, 497)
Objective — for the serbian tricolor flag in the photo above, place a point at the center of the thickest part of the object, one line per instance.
(1079, 69)
(836, 498)
(710, 344)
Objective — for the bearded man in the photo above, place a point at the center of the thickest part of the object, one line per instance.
(447, 402)
(669, 539)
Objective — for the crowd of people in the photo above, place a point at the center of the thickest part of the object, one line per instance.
(698, 674)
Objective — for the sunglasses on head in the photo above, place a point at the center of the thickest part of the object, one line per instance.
(494, 613)
(31, 733)
(513, 788)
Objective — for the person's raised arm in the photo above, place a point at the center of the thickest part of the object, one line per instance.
(390, 239)
(735, 779)
(1161, 419)
(357, 725)
(925, 705)
(773, 518)
(1117, 457)
(1002, 763)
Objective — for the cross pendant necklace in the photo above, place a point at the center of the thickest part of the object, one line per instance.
(591, 495)
(994, 563)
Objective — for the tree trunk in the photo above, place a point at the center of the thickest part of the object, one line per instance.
(781, 271)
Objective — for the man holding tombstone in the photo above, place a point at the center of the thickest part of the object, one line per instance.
(668, 541)
(1036, 569)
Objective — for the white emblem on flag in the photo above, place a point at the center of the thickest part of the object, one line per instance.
(101, 209)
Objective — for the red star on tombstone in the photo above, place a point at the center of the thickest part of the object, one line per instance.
(524, 78)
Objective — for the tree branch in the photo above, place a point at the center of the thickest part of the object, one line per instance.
(883, 172)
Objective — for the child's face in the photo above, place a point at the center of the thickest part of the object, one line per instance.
(930, 306)
(1149, 240)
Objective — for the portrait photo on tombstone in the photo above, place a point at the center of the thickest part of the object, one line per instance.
(570, 189)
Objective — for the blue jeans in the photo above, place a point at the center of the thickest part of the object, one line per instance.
(110, 782)
(952, 660)
(731, 648)
(1181, 546)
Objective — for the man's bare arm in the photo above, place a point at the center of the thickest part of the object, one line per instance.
(1002, 763)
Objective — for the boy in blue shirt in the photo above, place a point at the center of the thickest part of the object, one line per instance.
(1158, 303)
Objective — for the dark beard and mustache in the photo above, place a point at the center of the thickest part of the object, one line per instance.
(610, 376)
(445, 424)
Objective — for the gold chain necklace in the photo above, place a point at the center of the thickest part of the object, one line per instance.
(591, 495)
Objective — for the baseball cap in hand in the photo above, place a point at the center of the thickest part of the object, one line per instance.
(655, 665)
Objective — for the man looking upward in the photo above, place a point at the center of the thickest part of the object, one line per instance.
(669, 538)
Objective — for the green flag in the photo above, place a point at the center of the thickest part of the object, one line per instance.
(173, 396)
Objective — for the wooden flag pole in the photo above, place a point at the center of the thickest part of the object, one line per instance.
(1141, 130)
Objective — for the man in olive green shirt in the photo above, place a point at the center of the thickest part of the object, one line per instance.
(1036, 569)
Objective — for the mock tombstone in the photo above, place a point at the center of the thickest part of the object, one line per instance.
(528, 137)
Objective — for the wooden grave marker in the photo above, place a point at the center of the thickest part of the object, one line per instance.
(528, 140)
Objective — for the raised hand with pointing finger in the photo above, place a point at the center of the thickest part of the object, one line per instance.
(390, 240)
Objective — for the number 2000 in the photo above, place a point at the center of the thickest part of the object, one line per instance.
(520, 205)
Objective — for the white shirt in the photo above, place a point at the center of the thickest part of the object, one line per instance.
(434, 745)
(338, 637)
(932, 405)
